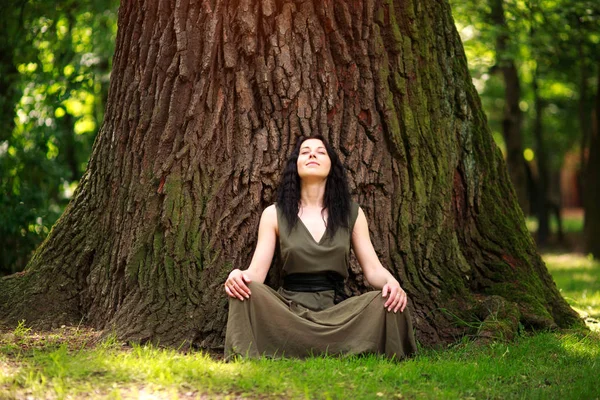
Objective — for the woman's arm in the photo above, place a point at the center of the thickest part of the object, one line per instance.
(235, 285)
(374, 272)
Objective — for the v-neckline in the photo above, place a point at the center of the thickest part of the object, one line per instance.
(310, 234)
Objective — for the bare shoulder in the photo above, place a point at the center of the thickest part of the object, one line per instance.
(361, 218)
(360, 226)
(360, 211)
(270, 212)
(269, 216)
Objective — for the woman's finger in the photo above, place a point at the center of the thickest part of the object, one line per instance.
(401, 301)
(384, 290)
(233, 287)
(390, 296)
(231, 294)
(404, 302)
(393, 298)
(397, 298)
(246, 281)
(394, 303)
(241, 287)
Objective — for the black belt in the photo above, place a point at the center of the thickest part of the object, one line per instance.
(317, 282)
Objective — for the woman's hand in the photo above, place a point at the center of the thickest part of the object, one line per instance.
(376, 275)
(235, 285)
(396, 296)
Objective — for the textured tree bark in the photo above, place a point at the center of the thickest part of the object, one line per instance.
(592, 183)
(513, 117)
(205, 103)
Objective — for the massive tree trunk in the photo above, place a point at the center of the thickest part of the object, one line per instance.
(205, 103)
(513, 117)
(592, 183)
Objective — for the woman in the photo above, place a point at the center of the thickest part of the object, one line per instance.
(315, 222)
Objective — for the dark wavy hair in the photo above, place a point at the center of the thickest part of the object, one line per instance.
(337, 195)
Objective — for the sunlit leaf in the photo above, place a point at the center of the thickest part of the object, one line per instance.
(59, 112)
(52, 150)
(85, 124)
(68, 70)
(528, 154)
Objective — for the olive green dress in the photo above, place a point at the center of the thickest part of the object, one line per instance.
(298, 324)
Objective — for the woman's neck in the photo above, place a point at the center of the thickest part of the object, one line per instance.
(312, 194)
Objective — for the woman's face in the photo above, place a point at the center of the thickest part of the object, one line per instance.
(313, 160)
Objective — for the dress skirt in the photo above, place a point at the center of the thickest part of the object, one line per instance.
(300, 324)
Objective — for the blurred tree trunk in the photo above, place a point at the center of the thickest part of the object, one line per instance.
(542, 209)
(206, 101)
(584, 109)
(511, 123)
(592, 183)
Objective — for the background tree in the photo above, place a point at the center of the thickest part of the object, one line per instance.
(205, 103)
(554, 57)
(565, 37)
(54, 68)
(592, 194)
(512, 120)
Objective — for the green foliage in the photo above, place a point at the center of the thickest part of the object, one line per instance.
(54, 69)
(558, 38)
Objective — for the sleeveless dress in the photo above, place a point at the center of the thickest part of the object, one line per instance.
(284, 323)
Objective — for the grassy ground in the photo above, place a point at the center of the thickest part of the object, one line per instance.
(73, 363)
(578, 279)
(548, 365)
(572, 221)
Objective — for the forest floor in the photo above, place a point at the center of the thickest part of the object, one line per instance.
(79, 363)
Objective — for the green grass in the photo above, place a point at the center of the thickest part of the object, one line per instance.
(73, 363)
(570, 224)
(578, 279)
(547, 365)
